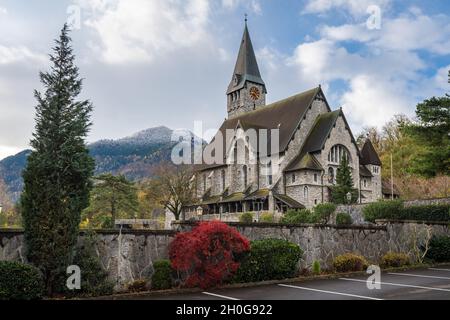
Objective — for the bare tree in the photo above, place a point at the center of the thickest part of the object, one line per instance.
(172, 187)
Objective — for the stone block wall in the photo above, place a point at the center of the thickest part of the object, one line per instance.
(130, 255)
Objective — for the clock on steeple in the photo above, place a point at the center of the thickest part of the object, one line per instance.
(246, 91)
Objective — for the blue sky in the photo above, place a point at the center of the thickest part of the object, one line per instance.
(168, 62)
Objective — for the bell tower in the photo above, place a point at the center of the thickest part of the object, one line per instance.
(246, 91)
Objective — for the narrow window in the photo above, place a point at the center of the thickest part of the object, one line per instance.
(315, 177)
(305, 193)
(293, 177)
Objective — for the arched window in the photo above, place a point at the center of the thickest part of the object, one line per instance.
(204, 182)
(330, 175)
(336, 154)
(244, 174)
(235, 152)
(269, 173)
(305, 193)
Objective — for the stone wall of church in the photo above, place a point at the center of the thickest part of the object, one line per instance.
(340, 135)
(295, 188)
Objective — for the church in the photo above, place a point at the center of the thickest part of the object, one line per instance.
(311, 139)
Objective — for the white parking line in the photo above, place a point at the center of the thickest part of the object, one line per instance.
(418, 275)
(219, 296)
(437, 269)
(398, 285)
(330, 292)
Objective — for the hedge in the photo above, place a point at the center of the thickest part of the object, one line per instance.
(395, 210)
(20, 281)
(246, 217)
(269, 259)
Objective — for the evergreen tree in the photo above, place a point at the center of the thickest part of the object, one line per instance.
(344, 184)
(431, 133)
(57, 176)
(111, 197)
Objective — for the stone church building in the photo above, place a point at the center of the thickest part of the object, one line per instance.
(312, 140)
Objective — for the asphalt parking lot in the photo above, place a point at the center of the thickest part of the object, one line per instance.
(418, 284)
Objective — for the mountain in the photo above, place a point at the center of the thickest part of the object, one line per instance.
(135, 157)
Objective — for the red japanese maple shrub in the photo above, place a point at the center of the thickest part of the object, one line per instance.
(208, 255)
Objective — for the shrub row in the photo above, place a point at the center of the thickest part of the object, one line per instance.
(396, 210)
(320, 214)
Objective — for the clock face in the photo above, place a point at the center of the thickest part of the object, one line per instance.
(254, 93)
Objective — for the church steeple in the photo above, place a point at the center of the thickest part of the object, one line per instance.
(246, 90)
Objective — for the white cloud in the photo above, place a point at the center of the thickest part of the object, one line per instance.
(253, 5)
(372, 101)
(10, 55)
(140, 30)
(3, 11)
(355, 7)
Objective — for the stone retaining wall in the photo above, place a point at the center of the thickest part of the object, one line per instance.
(130, 255)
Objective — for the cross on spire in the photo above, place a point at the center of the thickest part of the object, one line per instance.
(246, 18)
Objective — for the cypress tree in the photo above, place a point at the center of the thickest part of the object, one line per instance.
(58, 174)
(344, 184)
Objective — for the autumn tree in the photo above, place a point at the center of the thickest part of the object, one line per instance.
(172, 187)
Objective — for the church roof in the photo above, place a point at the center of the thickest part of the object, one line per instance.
(285, 115)
(308, 161)
(246, 68)
(369, 155)
(364, 172)
(317, 137)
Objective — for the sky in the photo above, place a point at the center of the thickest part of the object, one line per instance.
(147, 63)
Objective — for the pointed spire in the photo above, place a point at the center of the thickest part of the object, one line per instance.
(246, 68)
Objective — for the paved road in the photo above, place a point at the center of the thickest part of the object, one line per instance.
(423, 284)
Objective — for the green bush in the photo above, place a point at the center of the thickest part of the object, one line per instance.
(343, 218)
(246, 217)
(316, 267)
(267, 217)
(298, 217)
(20, 281)
(383, 210)
(323, 212)
(437, 212)
(439, 249)
(394, 260)
(162, 277)
(350, 262)
(269, 259)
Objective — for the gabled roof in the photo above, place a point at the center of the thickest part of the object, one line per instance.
(246, 68)
(308, 161)
(289, 201)
(364, 172)
(317, 137)
(369, 155)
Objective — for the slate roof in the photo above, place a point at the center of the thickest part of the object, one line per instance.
(246, 68)
(369, 155)
(289, 201)
(364, 172)
(308, 161)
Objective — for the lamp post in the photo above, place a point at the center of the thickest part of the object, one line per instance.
(1, 207)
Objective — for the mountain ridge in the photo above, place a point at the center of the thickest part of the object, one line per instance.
(134, 156)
